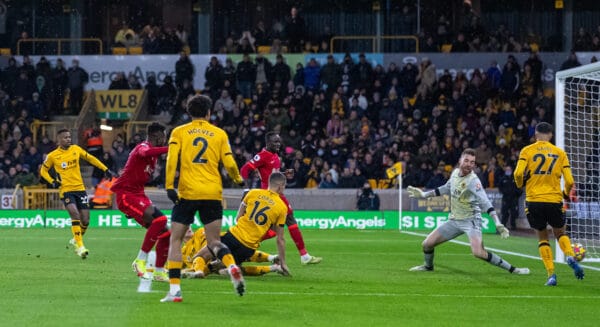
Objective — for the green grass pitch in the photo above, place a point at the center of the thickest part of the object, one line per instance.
(362, 281)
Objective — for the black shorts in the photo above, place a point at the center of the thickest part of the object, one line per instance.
(208, 210)
(80, 198)
(542, 214)
(239, 251)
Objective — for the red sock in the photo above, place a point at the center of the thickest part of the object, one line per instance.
(269, 234)
(297, 237)
(162, 249)
(156, 228)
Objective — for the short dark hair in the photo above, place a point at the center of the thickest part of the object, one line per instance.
(277, 178)
(199, 106)
(269, 135)
(468, 151)
(544, 128)
(64, 130)
(155, 127)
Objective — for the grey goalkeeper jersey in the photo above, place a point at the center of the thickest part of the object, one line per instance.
(467, 196)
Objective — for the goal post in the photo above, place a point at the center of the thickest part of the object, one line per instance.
(577, 100)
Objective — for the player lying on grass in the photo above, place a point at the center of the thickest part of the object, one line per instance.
(467, 200)
(260, 210)
(195, 241)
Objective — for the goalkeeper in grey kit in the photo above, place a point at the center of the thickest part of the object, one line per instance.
(468, 200)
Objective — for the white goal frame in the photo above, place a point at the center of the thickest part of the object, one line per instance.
(590, 72)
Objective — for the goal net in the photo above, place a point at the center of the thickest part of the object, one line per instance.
(577, 131)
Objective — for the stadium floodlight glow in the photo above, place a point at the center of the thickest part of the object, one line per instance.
(106, 127)
(578, 133)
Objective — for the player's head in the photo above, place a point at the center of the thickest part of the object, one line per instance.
(156, 134)
(273, 141)
(199, 106)
(277, 182)
(64, 138)
(466, 163)
(543, 131)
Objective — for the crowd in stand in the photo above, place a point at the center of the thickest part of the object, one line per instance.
(342, 123)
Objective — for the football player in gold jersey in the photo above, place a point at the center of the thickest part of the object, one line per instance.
(197, 148)
(540, 168)
(195, 241)
(65, 161)
(259, 211)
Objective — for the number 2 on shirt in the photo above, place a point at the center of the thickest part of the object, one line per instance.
(203, 146)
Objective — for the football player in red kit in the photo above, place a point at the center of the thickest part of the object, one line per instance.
(131, 200)
(266, 162)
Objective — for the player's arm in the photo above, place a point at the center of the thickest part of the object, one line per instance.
(91, 159)
(153, 152)
(568, 176)
(174, 149)
(485, 204)
(246, 169)
(415, 192)
(520, 169)
(241, 210)
(48, 163)
(229, 162)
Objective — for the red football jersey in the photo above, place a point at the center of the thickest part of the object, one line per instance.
(138, 169)
(265, 162)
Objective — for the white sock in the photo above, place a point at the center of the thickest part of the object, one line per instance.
(159, 270)
(306, 256)
(142, 255)
(174, 288)
(271, 258)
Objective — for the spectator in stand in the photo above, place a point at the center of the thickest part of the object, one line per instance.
(24, 87)
(295, 30)
(213, 76)
(312, 75)
(133, 82)
(246, 75)
(182, 35)
(281, 71)
(260, 34)
(152, 90)
(167, 94)
(277, 47)
(429, 45)
(77, 78)
(330, 75)
(121, 36)
(119, 82)
(460, 44)
(10, 76)
(59, 80)
(362, 73)
(571, 61)
(184, 69)
(263, 70)
(246, 43)
(366, 199)
(582, 40)
(151, 43)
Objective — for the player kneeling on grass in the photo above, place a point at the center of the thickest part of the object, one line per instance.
(259, 211)
(467, 200)
(195, 241)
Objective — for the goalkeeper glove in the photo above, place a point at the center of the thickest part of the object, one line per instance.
(172, 194)
(504, 233)
(414, 192)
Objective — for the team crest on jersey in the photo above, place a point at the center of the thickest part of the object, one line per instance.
(256, 158)
(63, 165)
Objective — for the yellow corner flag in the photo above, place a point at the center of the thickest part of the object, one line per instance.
(394, 170)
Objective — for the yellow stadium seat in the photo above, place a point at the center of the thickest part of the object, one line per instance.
(264, 49)
(187, 49)
(136, 50)
(446, 48)
(119, 51)
(5, 52)
(372, 182)
(247, 101)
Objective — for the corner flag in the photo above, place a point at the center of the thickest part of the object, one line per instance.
(394, 171)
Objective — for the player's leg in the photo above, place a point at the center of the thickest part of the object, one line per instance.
(211, 214)
(296, 234)
(182, 217)
(73, 202)
(536, 216)
(479, 251)
(437, 236)
(260, 256)
(558, 223)
(162, 252)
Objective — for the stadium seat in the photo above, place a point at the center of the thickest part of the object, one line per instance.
(264, 49)
(187, 49)
(247, 101)
(136, 50)
(5, 52)
(446, 48)
(119, 51)
(372, 182)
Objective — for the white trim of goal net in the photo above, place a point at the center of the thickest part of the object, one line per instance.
(589, 71)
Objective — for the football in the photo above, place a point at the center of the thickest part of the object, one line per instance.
(579, 251)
